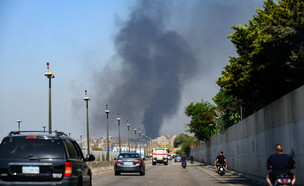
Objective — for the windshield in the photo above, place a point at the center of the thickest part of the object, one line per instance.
(25, 148)
(120, 156)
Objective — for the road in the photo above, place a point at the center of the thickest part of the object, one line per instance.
(172, 174)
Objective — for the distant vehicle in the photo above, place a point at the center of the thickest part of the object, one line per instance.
(160, 155)
(177, 158)
(35, 158)
(169, 157)
(129, 162)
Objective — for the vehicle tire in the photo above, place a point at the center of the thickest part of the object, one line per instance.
(166, 163)
(79, 182)
(117, 173)
(90, 183)
(153, 163)
(142, 173)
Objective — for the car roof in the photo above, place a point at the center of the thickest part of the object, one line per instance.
(37, 134)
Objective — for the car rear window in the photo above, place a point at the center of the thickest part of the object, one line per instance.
(128, 156)
(25, 148)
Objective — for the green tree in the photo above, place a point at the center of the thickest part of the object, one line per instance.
(228, 110)
(180, 139)
(203, 119)
(270, 60)
(187, 145)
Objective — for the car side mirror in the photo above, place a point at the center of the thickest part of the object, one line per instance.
(90, 157)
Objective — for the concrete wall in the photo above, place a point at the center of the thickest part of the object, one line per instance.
(101, 155)
(100, 166)
(248, 144)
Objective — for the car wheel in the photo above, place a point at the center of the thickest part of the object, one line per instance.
(153, 163)
(166, 163)
(142, 173)
(117, 173)
(79, 182)
(90, 183)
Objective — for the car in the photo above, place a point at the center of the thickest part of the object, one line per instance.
(130, 163)
(177, 158)
(36, 158)
(169, 157)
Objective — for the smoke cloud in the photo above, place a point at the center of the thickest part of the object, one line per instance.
(154, 64)
(160, 49)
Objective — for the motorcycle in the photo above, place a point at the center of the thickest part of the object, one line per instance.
(184, 165)
(221, 170)
(283, 179)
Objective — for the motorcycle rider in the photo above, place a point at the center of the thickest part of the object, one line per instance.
(220, 160)
(183, 159)
(280, 163)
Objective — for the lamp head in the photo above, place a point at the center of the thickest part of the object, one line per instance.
(107, 109)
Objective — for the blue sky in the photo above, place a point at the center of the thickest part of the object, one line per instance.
(76, 37)
(65, 33)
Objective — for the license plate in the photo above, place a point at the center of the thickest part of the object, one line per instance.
(30, 169)
(128, 163)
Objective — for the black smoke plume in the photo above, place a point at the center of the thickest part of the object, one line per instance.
(154, 64)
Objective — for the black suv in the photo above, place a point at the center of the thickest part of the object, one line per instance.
(43, 159)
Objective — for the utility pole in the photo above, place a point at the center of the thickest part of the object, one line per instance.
(50, 76)
(118, 120)
(87, 99)
(128, 125)
(135, 139)
(19, 121)
(107, 111)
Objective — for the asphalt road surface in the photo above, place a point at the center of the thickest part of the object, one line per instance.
(172, 174)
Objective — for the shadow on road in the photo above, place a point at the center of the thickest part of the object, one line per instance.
(129, 174)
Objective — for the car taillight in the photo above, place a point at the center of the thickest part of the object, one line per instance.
(118, 161)
(67, 169)
(31, 137)
(137, 161)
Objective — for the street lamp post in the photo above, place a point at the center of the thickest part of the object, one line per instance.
(107, 111)
(149, 146)
(118, 120)
(143, 135)
(135, 139)
(81, 141)
(139, 143)
(44, 126)
(19, 121)
(128, 125)
(50, 76)
(87, 99)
